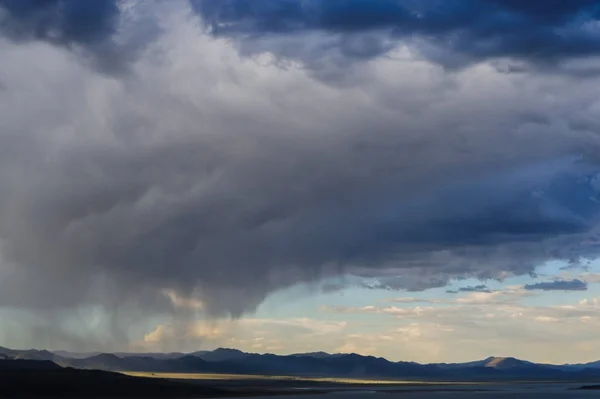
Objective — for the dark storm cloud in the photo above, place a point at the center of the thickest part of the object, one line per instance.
(577, 264)
(225, 179)
(407, 283)
(453, 32)
(559, 285)
(87, 26)
(61, 21)
(476, 288)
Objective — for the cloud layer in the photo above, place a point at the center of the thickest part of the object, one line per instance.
(327, 35)
(476, 325)
(559, 285)
(60, 21)
(107, 34)
(220, 178)
(453, 32)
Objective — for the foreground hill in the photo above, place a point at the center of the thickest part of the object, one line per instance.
(319, 364)
(41, 378)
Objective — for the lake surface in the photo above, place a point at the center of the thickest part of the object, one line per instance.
(505, 391)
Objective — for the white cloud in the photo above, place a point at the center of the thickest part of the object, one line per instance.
(184, 303)
(440, 332)
(594, 302)
(591, 278)
(477, 326)
(509, 294)
(246, 333)
(546, 319)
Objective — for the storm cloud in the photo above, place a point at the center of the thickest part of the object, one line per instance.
(220, 178)
(106, 33)
(452, 32)
(329, 36)
(475, 288)
(61, 21)
(559, 285)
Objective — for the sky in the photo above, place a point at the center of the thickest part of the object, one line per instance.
(414, 179)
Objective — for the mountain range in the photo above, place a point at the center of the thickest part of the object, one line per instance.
(233, 361)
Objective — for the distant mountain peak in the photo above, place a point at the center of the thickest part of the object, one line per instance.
(503, 363)
(227, 350)
(220, 354)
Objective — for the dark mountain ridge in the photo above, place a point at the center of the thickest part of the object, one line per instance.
(318, 364)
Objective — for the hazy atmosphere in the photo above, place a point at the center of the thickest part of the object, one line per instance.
(418, 180)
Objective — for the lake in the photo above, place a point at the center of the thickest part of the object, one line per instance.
(524, 391)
